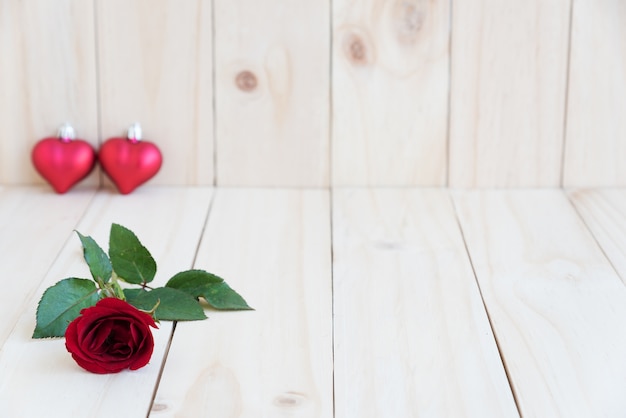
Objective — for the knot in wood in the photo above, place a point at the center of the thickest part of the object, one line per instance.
(157, 407)
(246, 81)
(356, 50)
(289, 400)
(410, 17)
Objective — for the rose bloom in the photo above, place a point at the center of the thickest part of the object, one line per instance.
(110, 337)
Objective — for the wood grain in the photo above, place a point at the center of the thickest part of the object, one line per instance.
(272, 92)
(155, 67)
(556, 305)
(412, 337)
(47, 77)
(272, 246)
(34, 224)
(596, 127)
(39, 376)
(508, 82)
(604, 212)
(390, 92)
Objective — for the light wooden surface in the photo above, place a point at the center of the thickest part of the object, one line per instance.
(411, 334)
(556, 304)
(38, 377)
(508, 83)
(604, 212)
(155, 67)
(390, 92)
(394, 323)
(596, 126)
(272, 92)
(273, 246)
(47, 77)
(31, 221)
(478, 93)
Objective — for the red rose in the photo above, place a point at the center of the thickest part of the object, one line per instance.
(110, 337)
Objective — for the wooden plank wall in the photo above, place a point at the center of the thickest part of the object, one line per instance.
(397, 93)
(596, 123)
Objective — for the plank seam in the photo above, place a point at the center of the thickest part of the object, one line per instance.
(98, 86)
(213, 87)
(332, 294)
(331, 63)
(480, 292)
(157, 383)
(34, 297)
(566, 98)
(449, 104)
(590, 230)
(331, 183)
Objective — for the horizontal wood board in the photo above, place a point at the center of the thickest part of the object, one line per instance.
(411, 334)
(39, 377)
(604, 212)
(556, 305)
(34, 225)
(272, 246)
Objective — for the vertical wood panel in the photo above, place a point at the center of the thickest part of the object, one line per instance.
(596, 121)
(556, 305)
(390, 92)
(273, 246)
(412, 337)
(508, 92)
(272, 92)
(155, 65)
(47, 77)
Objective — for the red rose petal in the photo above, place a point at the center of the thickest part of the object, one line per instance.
(110, 337)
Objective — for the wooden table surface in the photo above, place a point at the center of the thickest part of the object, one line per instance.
(369, 303)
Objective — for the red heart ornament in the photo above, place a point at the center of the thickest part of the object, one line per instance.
(63, 161)
(130, 162)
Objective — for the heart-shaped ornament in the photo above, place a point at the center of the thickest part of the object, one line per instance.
(130, 162)
(63, 161)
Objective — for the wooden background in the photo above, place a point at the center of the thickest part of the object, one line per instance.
(481, 93)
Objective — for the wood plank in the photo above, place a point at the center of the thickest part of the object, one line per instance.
(39, 376)
(596, 129)
(273, 246)
(390, 92)
(47, 77)
(509, 70)
(556, 305)
(272, 92)
(155, 67)
(35, 222)
(604, 213)
(412, 337)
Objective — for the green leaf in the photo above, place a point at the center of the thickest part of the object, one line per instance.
(61, 304)
(174, 305)
(131, 261)
(131, 294)
(97, 260)
(199, 283)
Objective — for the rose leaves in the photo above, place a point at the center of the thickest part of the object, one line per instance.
(130, 263)
(61, 303)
